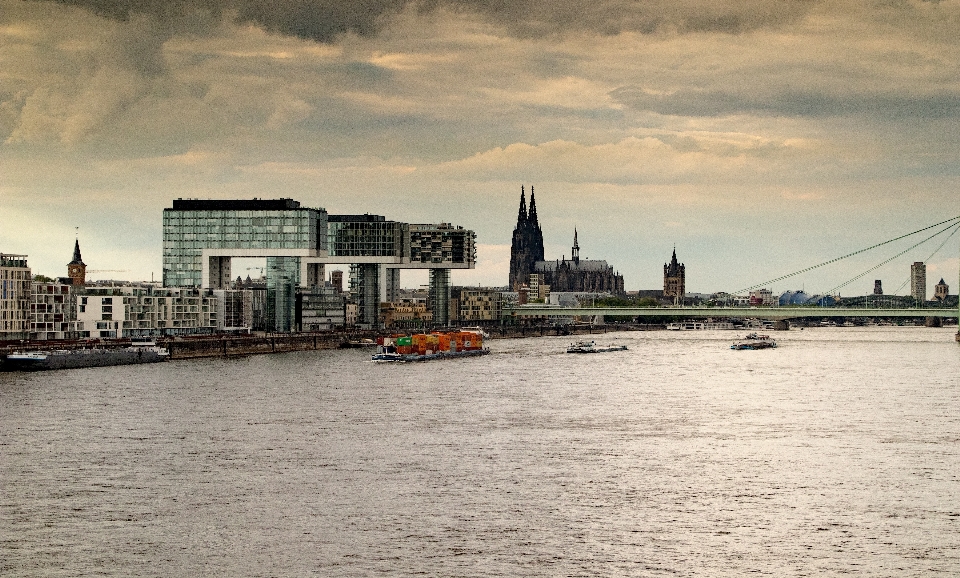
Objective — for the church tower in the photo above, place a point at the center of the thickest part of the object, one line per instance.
(77, 269)
(527, 245)
(674, 279)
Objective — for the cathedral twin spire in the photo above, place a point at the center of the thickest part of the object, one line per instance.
(525, 216)
(527, 246)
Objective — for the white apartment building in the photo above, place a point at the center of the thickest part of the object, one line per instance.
(53, 308)
(14, 297)
(139, 310)
(480, 304)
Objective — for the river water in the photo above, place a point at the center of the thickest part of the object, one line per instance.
(836, 453)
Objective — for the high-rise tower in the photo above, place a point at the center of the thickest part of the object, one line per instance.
(527, 246)
(918, 282)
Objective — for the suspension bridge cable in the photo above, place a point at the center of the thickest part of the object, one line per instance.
(953, 226)
(794, 274)
(904, 284)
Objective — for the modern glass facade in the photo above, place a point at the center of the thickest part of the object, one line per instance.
(442, 243)
(439, 295)
(364, 291)
(283, 277)
(366, 236)
(255, 228)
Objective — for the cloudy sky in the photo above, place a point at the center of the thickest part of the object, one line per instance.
(757, 137)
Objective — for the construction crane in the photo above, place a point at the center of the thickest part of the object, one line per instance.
(108, 271)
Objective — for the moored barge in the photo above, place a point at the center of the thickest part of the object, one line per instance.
(77, 358)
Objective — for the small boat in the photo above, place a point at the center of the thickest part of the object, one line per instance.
(476, 329)
(755, 341)
(387, 356)
(591, 347)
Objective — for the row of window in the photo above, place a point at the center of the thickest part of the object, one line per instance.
(13, 326)
(216, 230)
(227, 216)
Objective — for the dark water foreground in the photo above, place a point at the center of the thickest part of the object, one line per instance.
(836, 453)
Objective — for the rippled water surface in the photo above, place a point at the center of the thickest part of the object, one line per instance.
(836, 453)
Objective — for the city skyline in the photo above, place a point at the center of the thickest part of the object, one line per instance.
(757, 140)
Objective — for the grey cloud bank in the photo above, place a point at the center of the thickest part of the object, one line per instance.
(799, 129)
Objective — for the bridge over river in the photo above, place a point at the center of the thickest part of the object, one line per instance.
(772, 313)
(950, 226)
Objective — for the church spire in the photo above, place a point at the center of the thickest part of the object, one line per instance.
(77, 260)
(523, 206)
(77, 269)
(576, 247)
(532, 216)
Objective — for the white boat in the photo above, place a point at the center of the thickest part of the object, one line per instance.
(591, 347)
(754, 341)
(700, 325)
(477, 329)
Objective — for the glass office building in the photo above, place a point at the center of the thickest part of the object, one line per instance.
(366, 236)
(239, 228)
(443, 243)
(201, 236)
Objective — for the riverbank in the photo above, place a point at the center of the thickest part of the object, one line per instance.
(220, 345)
(225, 346)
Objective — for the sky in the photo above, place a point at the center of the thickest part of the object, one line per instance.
(757, 138)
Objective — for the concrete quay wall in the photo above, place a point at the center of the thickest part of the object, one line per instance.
(226, 346)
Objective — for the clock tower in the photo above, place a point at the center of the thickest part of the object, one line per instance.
(77, 269)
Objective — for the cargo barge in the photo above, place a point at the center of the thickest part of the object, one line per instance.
(428, 346)
(77, 358)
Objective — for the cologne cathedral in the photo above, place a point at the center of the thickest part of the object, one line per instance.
(527, 246)
(561, 275)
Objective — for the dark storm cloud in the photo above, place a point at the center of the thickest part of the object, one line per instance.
(715, 103)
(325, 20)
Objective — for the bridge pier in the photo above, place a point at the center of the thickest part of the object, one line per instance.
(781, 325)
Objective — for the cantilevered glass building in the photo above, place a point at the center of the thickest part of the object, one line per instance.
(201, 236)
